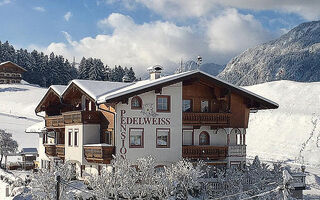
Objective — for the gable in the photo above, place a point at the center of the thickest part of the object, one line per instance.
(11, 67)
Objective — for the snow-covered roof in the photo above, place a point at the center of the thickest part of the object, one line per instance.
(141, 85)
(29, 150)
(96, 88)
(36, 128)
(145, 84)
(58, 88)
(9, 62)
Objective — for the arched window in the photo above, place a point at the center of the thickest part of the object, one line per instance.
(204, 138)
(136, 103)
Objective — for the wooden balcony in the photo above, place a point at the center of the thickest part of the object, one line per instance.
(73, 117)
(204, 152)
(60, 150)
(55, 121)
(50, 150)
(191, 118)
(99, 153)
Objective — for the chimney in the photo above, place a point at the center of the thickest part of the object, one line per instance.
(126, 79)
(155, 72)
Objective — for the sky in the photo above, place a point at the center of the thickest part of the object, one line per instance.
(143, 33)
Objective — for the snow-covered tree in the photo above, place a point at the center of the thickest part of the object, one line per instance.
(183, 178)
(7, 144)
(43, 182)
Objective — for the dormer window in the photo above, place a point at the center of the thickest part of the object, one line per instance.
(136, 103)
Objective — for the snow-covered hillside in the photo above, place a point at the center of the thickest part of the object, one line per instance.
(291, 132)
(17, 104)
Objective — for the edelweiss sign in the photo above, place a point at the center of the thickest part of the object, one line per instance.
(128, 120)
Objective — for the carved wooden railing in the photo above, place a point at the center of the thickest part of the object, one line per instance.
(204, 152)
(99, 154)
(60, 150)
(50, 150)
(205, 118)
(73, 117)
(237, 150)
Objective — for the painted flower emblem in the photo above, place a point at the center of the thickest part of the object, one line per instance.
(147, 110)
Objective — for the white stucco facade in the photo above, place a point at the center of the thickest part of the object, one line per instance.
(173, 122)
(87, 134)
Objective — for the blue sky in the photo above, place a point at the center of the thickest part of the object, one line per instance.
(146, 32)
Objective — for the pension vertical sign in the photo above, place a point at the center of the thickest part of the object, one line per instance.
(123, 135)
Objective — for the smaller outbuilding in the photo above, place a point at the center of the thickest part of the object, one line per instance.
(10, 73)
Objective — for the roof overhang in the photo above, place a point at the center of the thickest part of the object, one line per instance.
(261, 102)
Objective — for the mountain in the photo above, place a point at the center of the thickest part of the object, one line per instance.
(210, 68)
(293, 56)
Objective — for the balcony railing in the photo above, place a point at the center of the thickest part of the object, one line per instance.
(204, 152)
(54, 121)
(99, 153)
(205, 118)
(237, 151)
(73, 117)
(50, 150)
(60, 150)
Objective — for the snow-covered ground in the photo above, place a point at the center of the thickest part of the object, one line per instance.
(290, 133)
(17, 104)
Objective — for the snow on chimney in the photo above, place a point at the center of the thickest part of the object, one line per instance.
(155, 72)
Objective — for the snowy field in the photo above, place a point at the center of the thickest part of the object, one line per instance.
(17, 104)
(290, 134)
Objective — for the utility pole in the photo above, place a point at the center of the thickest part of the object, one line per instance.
(58, 180)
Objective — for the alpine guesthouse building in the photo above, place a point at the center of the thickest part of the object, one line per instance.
(190, 115)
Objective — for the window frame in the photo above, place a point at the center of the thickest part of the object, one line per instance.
(208, 136)
(76, 137)
(70, 131)
(168, 103)
(168, 142)
(109, 133)
(139, 100)
(191, 105)
(142, 138)
(201, 105)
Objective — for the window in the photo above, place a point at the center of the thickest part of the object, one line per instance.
(76, 131)
(136, 137)
(163, 137)
(108, 137)
(70, 137)
(136, 103)
(204, 106)
(204, 138)
(187, 105)
(163, 103)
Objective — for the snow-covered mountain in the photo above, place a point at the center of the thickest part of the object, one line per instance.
(293, 56)
(210, 68)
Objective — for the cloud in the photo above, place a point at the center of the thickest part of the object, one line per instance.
(40, 9)
(163, 42)
(4, 2)
(180, 8)
(67, 16)
(232, 32)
